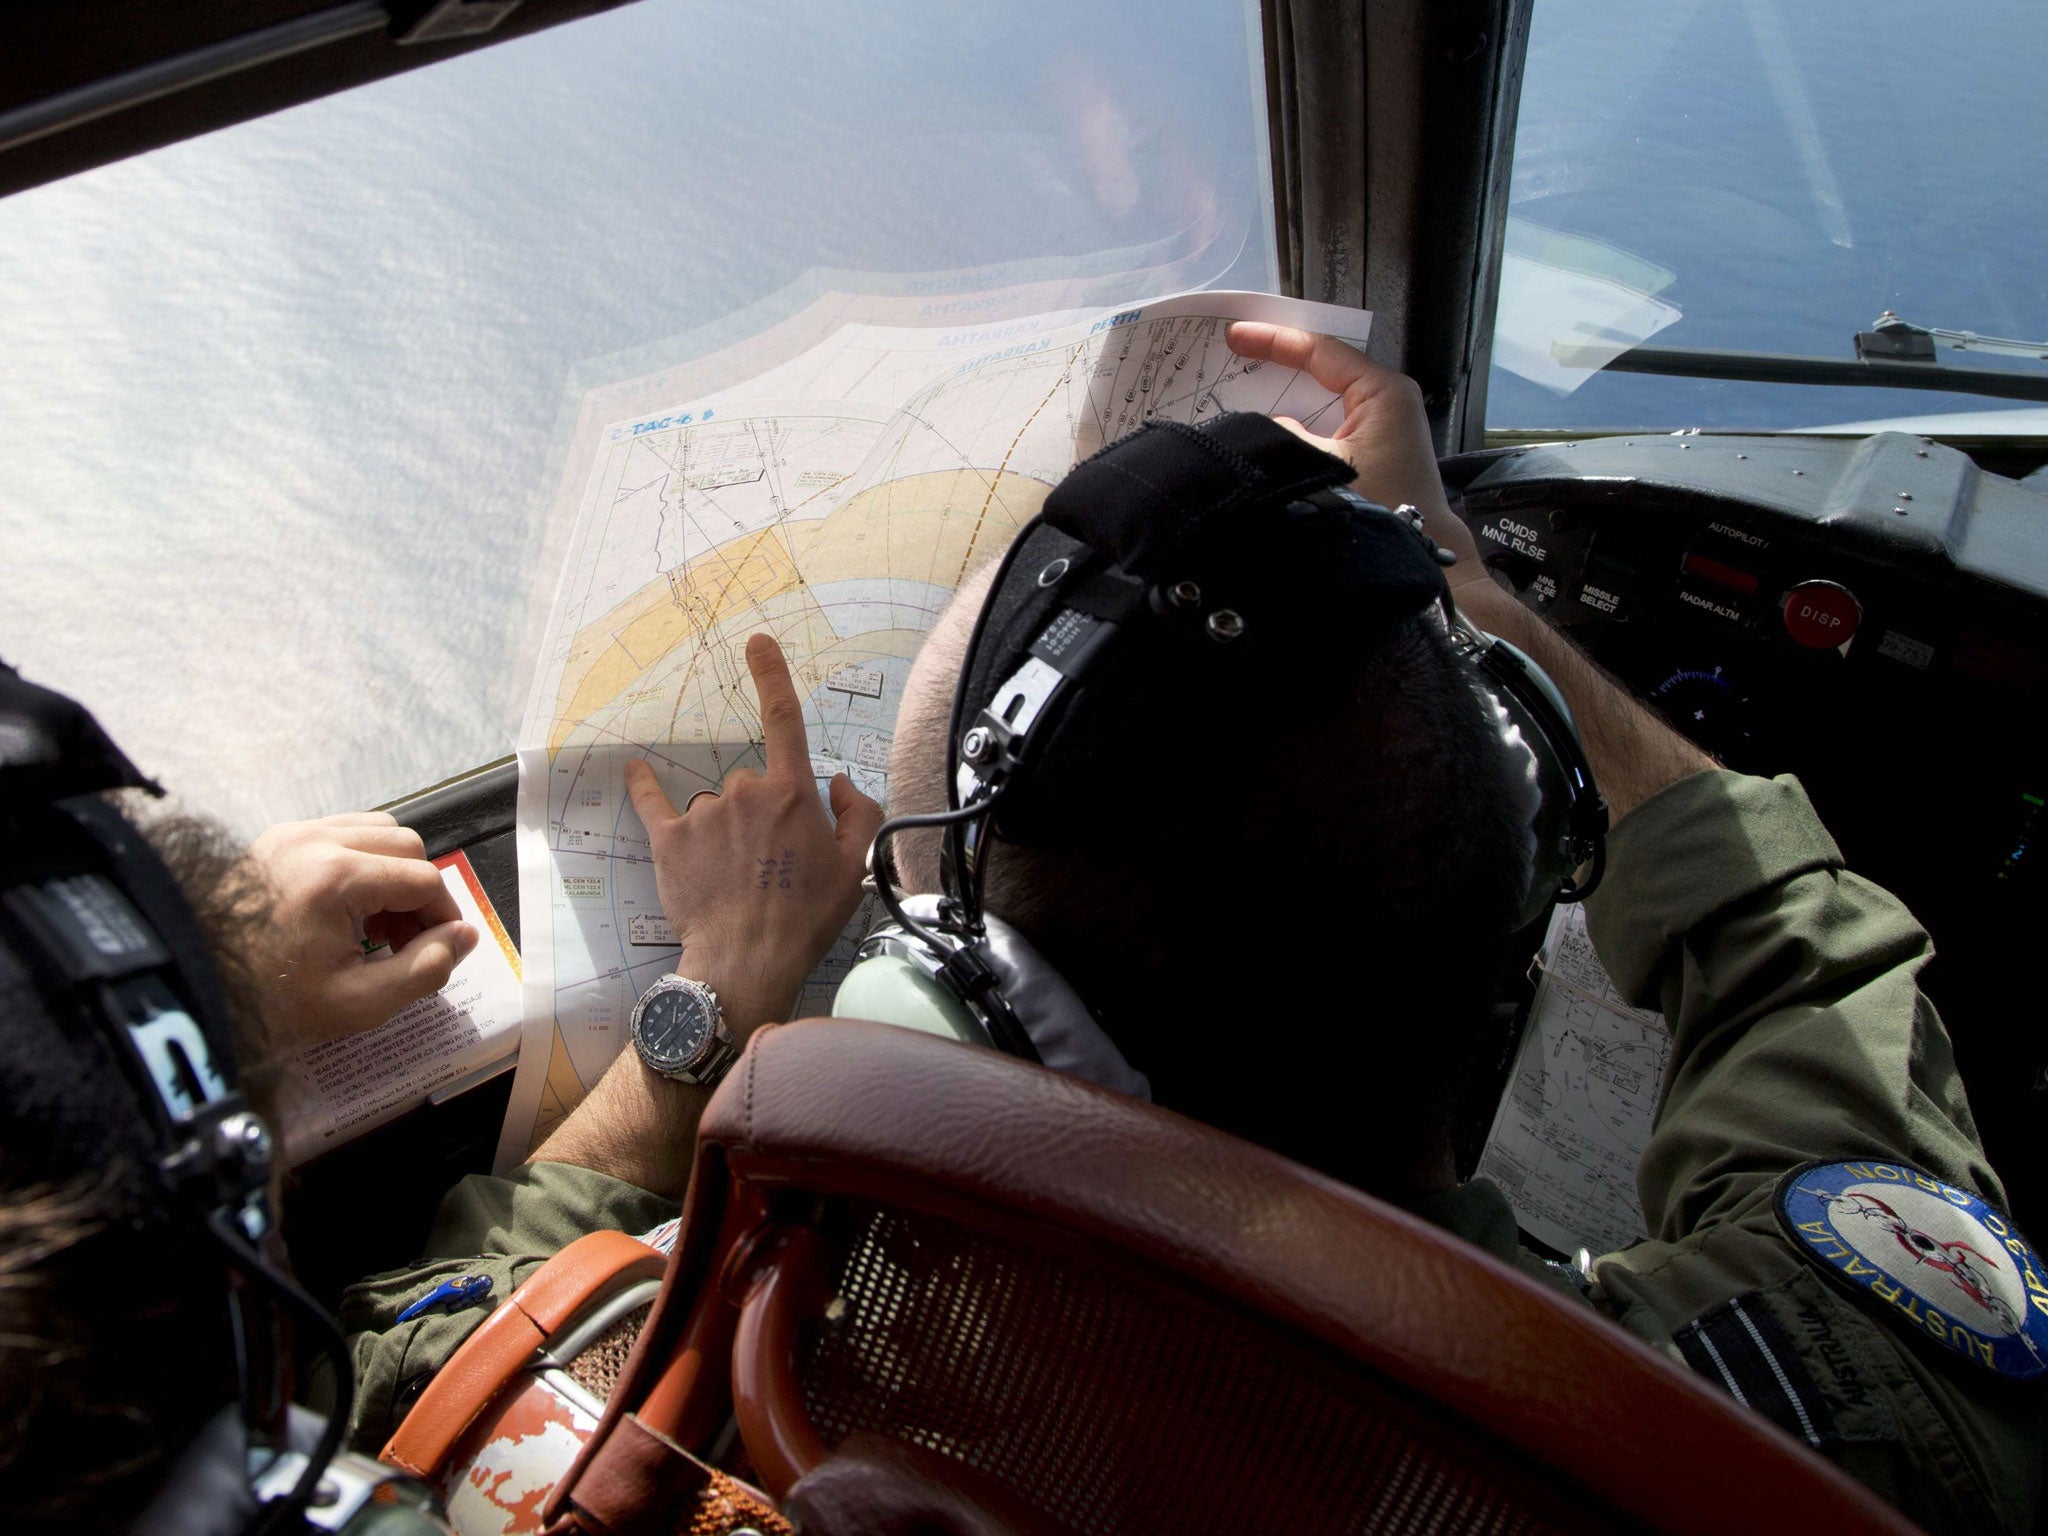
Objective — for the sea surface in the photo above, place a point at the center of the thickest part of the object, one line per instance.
(277, 405)
(1786, 170)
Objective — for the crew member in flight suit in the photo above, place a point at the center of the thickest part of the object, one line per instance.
(1801, 1041)
(1827, 1241)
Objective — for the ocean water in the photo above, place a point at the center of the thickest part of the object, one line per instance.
(1790, 168)
(277, 405)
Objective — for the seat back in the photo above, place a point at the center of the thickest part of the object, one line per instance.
(1121, 1320)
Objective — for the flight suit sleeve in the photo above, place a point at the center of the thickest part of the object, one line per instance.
(502, 1227)
(1799, 1033)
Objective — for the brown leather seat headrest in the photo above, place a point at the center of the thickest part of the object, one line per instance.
(903, 1120)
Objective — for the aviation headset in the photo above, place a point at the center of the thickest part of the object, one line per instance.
(1183, 552)
(121, 1044)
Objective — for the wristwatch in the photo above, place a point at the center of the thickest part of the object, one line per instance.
(679, 1031)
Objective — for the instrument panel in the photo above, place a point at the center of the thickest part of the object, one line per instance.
(1746, 633)
(1882, 637)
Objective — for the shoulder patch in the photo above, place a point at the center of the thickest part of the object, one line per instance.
(1934, 1259)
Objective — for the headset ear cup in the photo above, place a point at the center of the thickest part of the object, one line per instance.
(889, 987)
(899, 979)
(1568, 823)
(1063, 1029)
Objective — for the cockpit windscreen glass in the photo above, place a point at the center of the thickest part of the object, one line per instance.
(278, 406)
(1701, 184)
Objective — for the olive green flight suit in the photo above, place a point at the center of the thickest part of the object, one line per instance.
(1799, 1034)
(505, 1228)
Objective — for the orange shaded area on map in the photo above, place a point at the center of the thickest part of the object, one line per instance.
(561, 1091)
(928, 528)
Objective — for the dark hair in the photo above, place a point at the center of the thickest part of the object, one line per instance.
(114, 1343)
(1287, 895)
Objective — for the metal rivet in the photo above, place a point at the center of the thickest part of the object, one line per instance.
(975, 745)
(1905, 495)
(1742, 455)
(1919, 453)
(1900, 510)
(1055, 571)
(1798, 471)
(1685, 445)
(1184, 594)
(1225, 624)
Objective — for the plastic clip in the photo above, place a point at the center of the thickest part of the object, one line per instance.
(455, 1294)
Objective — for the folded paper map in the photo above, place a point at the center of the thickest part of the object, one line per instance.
(831, 488)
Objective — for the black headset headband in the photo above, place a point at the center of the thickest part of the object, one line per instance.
(103, 941)
(1216, 547)
(120, 1038)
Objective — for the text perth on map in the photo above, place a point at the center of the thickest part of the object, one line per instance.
(834, 499)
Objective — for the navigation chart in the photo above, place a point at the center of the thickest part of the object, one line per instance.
(835, 500)
(1576, 1117)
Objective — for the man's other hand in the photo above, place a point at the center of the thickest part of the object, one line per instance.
(341, 886)
(758, 879)
(1383, 435)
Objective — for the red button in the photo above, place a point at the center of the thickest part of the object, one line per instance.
(1822, 615)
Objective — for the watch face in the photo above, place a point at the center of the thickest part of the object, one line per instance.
(675, 1027)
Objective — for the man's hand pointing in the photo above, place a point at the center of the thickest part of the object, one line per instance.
(758, 879)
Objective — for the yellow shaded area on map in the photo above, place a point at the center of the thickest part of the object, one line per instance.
(561, 1092)
(928, 528)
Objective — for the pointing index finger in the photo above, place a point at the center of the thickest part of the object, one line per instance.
(782, 712)
(649, 799)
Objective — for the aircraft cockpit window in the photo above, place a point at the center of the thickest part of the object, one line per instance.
(1748, 216)
(279, 406)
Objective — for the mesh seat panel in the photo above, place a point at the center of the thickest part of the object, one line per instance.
(1104, 1398)
(598, 1367)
